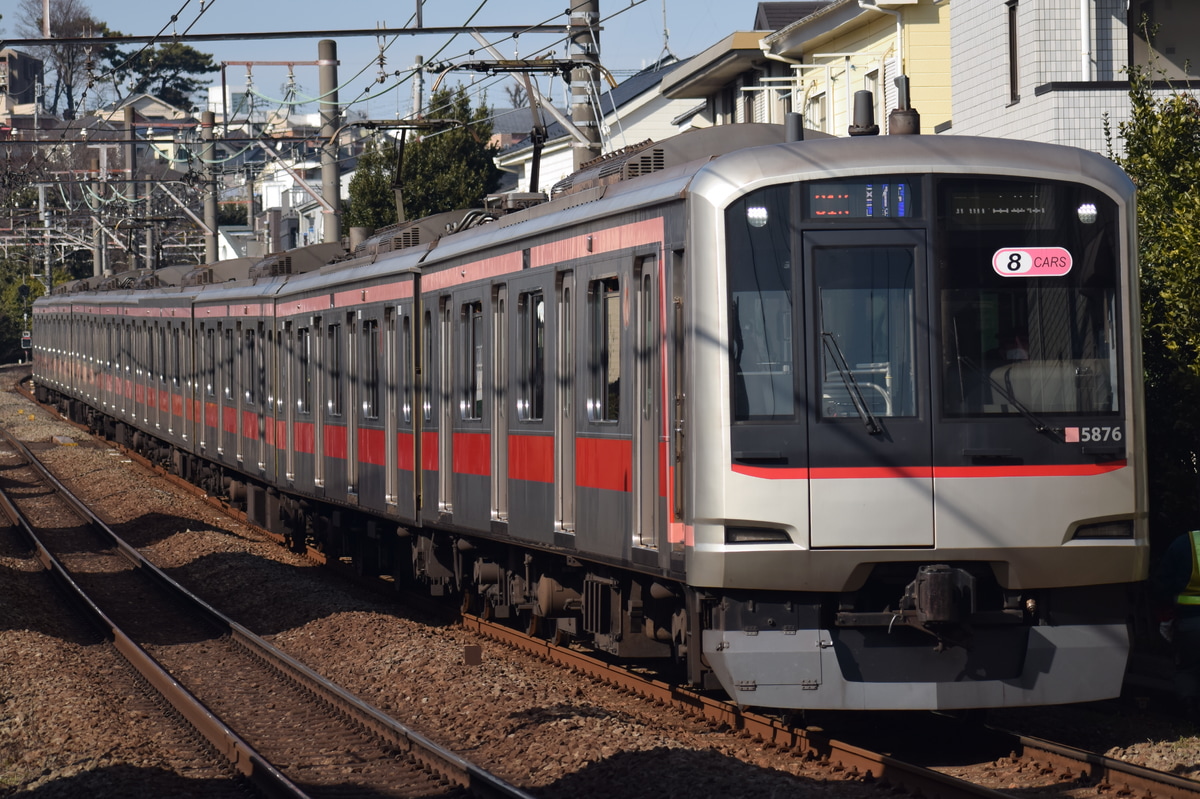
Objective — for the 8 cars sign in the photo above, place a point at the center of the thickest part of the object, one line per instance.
(1032, 262)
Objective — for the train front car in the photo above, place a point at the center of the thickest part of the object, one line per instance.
(917, 466)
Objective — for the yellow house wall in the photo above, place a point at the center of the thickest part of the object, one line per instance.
(926, 35)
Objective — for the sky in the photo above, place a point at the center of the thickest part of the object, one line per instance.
(632, 37)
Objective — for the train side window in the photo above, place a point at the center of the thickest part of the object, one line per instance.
(370, 366)
(335, 369)
(604, 306)
(531, 382)
(471, 405)
(304, 370)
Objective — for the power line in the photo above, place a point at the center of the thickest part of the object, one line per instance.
(325, 34)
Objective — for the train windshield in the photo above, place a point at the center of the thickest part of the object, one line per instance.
(1026, 276)
(1022, 280)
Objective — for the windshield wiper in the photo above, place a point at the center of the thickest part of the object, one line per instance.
(1006, 390)
(856, 395)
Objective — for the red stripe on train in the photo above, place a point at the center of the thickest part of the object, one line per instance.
(531, 458)
(604, 463)
(472, 454)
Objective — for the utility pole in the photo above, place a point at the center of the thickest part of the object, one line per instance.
(131, 165)
(584, 28)
(99, 253)
(45, 278)
(331, 184)
(208, 121)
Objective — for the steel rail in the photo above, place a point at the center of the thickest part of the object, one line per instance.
(425, 751)
(240, 754)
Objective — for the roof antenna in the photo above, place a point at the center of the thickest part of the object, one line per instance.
(666, 48)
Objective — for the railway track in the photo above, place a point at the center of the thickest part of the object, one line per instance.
(287, 730)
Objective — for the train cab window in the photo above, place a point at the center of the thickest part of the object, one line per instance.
(304, 370)
(604, 307)
(471, 404)
(370, 369)
(531, 383)
(1028, 294)
(334, 343)
(758, 232)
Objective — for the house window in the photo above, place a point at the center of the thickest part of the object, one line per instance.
(816, 112)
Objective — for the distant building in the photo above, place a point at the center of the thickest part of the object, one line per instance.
(20, 77)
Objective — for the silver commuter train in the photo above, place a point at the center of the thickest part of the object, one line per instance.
(837, 424)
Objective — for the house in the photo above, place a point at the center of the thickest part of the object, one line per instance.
(818, 59)
(1053, 70)
(634, 111)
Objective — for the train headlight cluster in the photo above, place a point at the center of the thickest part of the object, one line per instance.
(1087, 213)
(756, 215)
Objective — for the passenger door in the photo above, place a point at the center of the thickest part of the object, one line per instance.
(870, 438)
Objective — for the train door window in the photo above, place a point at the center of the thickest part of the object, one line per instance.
(445, 413)
(304, 370)
(210, 362)
(249, 365)
(151, 353)
(370, 369)
(391, 379)
(175, 351)
(564, 426)
(403, 373)
(427, 366)
(162, 353)
(471, 405)
(531, 381)
(499, 381)
(287, 383)
(604, 308)
(867, 329)
(646, 374)
(227, 365)
(334, 358)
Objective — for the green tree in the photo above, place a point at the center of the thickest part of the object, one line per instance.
(453, 167)
(1161, 153)
(168, 72)
(372, 201)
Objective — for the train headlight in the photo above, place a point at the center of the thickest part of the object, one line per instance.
(756, 535)
(756, 215)
(1087, 213)
(1121, 529)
